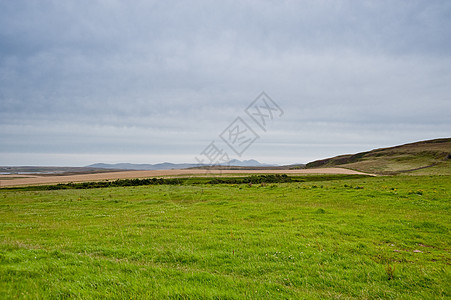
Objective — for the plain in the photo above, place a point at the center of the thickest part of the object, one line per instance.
(372, 237)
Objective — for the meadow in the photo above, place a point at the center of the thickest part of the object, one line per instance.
(364, 238)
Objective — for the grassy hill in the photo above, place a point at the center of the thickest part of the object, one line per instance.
(420, 158)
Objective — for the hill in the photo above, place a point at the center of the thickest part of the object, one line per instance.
(142, 167)
(420, 158)
(169, 166)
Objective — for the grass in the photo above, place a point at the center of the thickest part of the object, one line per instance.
(395, 164)
(371, 237)
(421, 158)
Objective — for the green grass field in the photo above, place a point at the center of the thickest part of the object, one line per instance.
(373, 237)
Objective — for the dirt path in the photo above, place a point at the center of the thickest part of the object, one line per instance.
(42, 180)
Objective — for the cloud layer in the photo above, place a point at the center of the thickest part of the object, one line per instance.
(110, 81)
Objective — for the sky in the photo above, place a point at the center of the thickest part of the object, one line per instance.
(83, 82)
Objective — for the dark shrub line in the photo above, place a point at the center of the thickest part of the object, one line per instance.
(115, 183)
(254, 179)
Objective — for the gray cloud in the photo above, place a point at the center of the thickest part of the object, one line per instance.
(140, 80)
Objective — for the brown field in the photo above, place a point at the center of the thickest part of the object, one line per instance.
(22, 180)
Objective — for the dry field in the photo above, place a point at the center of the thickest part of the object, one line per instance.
(22, 180)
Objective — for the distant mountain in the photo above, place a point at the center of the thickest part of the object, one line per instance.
(169, 166)
(247, 163)
(425, 157)
(128, 166)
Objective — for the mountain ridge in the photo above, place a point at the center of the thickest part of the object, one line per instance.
(168, 165)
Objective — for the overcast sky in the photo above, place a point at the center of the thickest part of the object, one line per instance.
(151, 81)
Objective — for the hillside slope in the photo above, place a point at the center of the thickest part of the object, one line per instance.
(425, 157)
